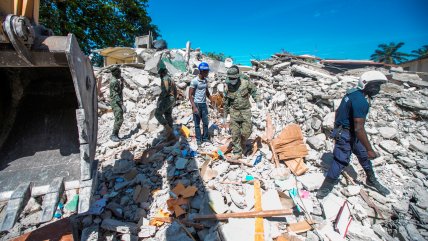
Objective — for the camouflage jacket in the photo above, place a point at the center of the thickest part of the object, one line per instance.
(237, 97)
(116, 87)
(168, 88)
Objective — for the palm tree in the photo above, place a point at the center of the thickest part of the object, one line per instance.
(420, 53)
(388, 53)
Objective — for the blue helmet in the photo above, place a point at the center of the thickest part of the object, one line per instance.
(203, 66)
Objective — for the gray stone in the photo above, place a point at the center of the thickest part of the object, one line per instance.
(141, 80)
(312, 181)
(129, 237)
(351, 190)
(388, 132)
(328, 121)
(242, 229)
(212, 236)
(147, 231)
(382, 233)
(32, 206)
(406, 161)
(389, 146)
(90, 233)
(358, 232)
(281, 66)
(331, 206)
(175, 233)
(414, 233)
(316, 123)
(317, 142)
(221, 168)
(118, 226)
(216, 201)
(237, 199)
(418, 146)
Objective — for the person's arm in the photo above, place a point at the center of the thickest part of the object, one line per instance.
(191, 98)
(253, 91)
(207, 93)
(361, 134)
(255, 94)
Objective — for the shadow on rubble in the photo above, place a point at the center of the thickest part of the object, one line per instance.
(168, 183)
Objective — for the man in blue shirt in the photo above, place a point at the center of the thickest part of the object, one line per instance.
(351, 136)
(198, 94)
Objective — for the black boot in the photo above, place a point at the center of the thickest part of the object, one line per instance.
(326, 187)
(115, 137)
(372, 181)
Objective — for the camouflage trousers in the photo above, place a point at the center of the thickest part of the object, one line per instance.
(241, 127)
(118, 116)
(163, 111)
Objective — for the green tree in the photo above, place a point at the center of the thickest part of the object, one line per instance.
(217, 56)
(98, 23)
(388, 54)
(421, 52)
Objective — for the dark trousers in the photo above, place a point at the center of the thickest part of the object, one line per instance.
(346, 144)
(202, 114)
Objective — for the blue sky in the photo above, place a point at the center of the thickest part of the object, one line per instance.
(331, 29)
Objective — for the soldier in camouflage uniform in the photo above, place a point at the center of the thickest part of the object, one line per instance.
(237, 104)
(116, 101)
(166, 100)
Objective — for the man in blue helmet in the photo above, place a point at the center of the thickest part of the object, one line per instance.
(351, 136)
(198, 94)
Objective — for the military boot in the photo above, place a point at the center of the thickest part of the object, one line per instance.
(372, 181)
(326, 187)
(115, 136)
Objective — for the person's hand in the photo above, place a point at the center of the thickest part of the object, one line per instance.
(195, 110)
(372, 155)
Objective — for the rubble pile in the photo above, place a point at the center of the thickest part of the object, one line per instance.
(144, 178)
(151, 188)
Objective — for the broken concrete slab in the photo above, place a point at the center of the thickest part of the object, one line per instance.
(331, 206)
(317, 142)
(216, 201)
(119, 226)
(388, 132)
(311, 181)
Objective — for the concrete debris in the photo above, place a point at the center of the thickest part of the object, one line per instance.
(137, 175)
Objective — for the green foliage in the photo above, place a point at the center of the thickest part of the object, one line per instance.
(217, 56)
(421, 52)
(98, 23)
(388, 54)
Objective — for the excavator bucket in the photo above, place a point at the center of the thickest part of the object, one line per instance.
(48, 120)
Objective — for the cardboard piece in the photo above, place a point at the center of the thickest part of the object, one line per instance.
(299, 227)
(297, 166)
(160, 214)
(289, 143)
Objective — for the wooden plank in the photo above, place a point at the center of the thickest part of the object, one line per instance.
(259, 229)
(251, 214)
